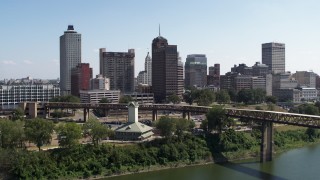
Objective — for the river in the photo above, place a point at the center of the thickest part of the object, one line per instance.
(302, 163)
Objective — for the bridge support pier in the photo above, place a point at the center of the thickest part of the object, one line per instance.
(154, 115)
(186, 115)
(266, 147)
(85, 114)
(47, 113)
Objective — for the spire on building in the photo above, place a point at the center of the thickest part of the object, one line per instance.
(159, 30)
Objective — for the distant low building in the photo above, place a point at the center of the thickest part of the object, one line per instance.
(94, 96)
(12, 95)
(142, 98)
(133, 129)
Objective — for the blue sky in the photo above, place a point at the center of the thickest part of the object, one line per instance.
(229, 32)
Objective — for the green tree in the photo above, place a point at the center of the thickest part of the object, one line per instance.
(104, 100)
(18, 113)
(216, 118)
(166, 125)
(69, 134)
(67, 98)
(245, 96)
(259, 95)
(39, 131)
(271, 99)
(182, 125)
(187, 97)
(11, 133)
(233, 95)
(175, 99)
(125, 99)
(222, 97)
(96, 131)
(311, 133)
(205, 98)
(204, 125)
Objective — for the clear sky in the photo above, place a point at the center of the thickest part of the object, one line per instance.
(229, 32)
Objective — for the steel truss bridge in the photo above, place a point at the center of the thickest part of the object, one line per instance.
(257, 115)
(267, 118)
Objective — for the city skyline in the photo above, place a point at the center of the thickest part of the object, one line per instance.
(227, 32)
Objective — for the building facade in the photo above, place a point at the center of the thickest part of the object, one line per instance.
(12, 95)
(305, 78)
(273, 55)
(70, 57)
(100, 82)
(80, 78)
(196, 70)
(145, 77)
(164, 70)
(214, 76)
(94, 96)
(119, 68)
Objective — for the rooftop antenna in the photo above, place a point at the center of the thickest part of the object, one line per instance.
(159, 30)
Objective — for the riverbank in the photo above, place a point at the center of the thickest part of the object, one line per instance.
(107, 160)
(241, 155)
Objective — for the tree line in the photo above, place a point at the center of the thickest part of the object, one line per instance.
(205, 97)
(15, 134)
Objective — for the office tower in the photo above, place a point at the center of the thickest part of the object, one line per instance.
(70, 57)
(214, 70)
(148, 69)
(273, 55)
(164, 69)
(100, 82)
(119, 68)
(196, 70)
(145, 77)
(180, 84)
(80, 78)
(214, 75)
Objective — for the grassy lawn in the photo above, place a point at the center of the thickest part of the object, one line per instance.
(281, 128)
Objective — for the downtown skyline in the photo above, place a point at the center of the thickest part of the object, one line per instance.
(227, 32)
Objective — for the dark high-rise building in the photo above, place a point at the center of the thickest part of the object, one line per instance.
(196, 70)
(164, 69)
(70, 57)
(119, 68)
(214, 75)
(273, 55)
(80, 78)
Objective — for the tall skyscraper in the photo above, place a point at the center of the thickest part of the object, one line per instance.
(70, 57)
(164, 69)
(196, 70)
(119, 68)
(80, 78)
(273, 55)
(145, 77)
(180, 84)
(148, 69)
(214, 75)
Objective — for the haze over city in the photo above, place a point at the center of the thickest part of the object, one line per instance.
(228, 32)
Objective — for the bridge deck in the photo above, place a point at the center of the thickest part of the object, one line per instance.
(257, 115)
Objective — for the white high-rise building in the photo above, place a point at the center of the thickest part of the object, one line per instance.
(70, 57)
(148, 69)
(145, 77)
